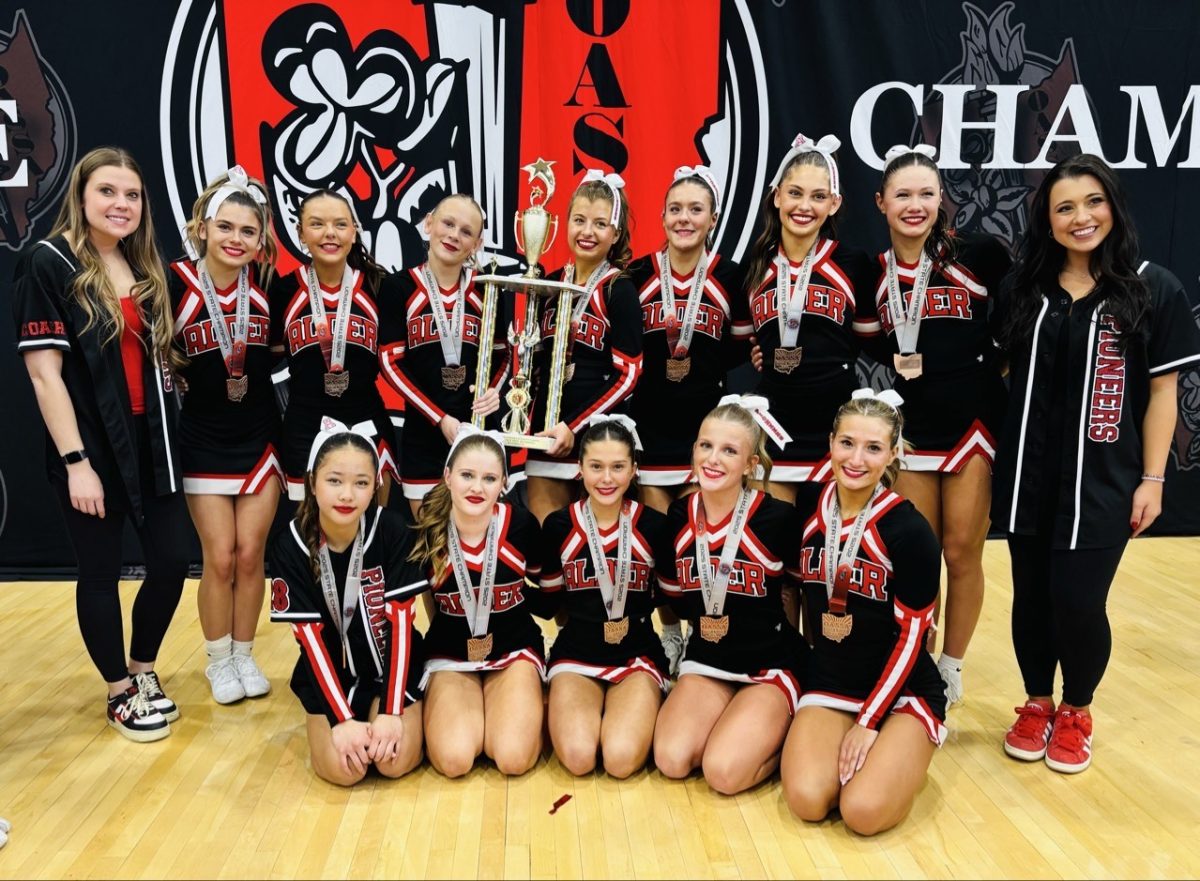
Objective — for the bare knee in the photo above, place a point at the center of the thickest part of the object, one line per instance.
(513, 760)
(623, 758)
(219, 566)
(249, 562)
(399, 766)
(673, 760)
(807, 799)
(725, 774)
(577, 755)
(867, 813)
(962, 556)
(337, 775)
(451, 761)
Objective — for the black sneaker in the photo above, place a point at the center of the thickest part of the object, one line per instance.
(147, 683)
(131, 714)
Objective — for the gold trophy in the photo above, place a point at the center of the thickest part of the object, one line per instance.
(535, 229)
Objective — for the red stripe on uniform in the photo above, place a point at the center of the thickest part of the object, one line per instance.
(309, 637)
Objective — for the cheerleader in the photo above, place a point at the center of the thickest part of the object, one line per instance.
(332, 324)
(342, 579)
(485, 667)
(607, 666)
(1096, 339)
(432, 361)
(738, 684)
(693, 307)
(874, 705)
(802, 299)
(93, 318)
(229, 425)
(926, 313)
(605, 351)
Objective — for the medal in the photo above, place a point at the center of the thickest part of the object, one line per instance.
(789, 308)
(450, 328)
(454, 377)
(337, 383)
(235, 389)
(477, 611)
(479, 649)
(714, 629)
(679, 334)
(614, 586)
(906, 317)
(787, 360)
(232, 347)
(837, 623)
(908, 366)
(332, 341)
(714, 580)
(678, 368)
(616, 631)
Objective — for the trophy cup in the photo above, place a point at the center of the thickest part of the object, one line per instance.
(535, 229)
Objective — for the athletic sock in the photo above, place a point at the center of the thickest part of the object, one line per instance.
(219, 649)
(243, 648)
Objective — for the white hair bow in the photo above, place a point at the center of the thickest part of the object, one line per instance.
(621, 419)
(888, 396)
(239, 182)
(801, 144)
(331, 428)
(899, 150)
(760, 410)
(615, 184)
(466, 430)
(705, 174)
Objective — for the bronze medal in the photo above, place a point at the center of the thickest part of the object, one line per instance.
(909, 366)
(616, 631)
(678, 368)
(836, 627)
(714, 628)
(787, 360)
(336, 383)
(236, 387)
(479, 648)
(454, 377)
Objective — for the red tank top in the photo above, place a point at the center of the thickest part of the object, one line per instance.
(133, 356)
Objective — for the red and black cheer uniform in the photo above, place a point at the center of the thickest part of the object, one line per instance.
(955, 408)
(668, 413)
(227, 447)
(568, 580)
(606, 349)
(805, 400)
(412, 363)
(1070, 459)
(515, 635)
(760, 646)
(881, 666)
(373, 324)
(383, 650)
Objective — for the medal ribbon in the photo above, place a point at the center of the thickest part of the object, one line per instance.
(450, 331)
(343, 614)
(333, 342)
(835, 556)
(907, 322)
(230, 350)
(713, 587)
(588, 289)
(681, 340)
(614, 594)
(477, 611)
(789, 298)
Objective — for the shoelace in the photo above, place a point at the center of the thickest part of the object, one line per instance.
(139, 705)
(222, 674)
(1031, 720)
(147, 684)
(246, 667)
(1068, 731)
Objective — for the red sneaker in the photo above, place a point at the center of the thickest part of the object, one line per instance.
(1029, 735)
(1070, 749)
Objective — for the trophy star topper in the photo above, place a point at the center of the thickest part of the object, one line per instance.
(540, 171)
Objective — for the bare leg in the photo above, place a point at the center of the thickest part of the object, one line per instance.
(324, 757)
(808, 768)
(685, 722)
(253, 515)
(743, 749)
(215, 524)
(576, 703)
(966, 500)
(627, 732)
(658, 497)
(924, 490)
(785, 492)
(881, 794)
(409, 755)
(453, 717)
(545, 495)
(512, 711)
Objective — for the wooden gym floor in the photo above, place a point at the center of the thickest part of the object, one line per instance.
(229, 794)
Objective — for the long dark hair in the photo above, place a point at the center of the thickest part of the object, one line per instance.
(308, 516)
(940, 243)
(766, 246)
(1113, 263)
(613, 430)
(359, 257)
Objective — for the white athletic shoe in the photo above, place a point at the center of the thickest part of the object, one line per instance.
(5, 828)
(227, 686)
(254, 683)
(951, 674)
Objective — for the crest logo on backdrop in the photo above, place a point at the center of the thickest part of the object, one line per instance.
(397, 104)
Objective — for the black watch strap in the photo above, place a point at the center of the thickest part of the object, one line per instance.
(74, 456)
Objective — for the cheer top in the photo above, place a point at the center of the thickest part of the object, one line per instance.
(381, 638)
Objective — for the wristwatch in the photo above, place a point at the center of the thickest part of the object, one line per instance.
(74, 456)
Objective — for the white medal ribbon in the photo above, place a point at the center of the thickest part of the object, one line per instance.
(341, 324)
(790, 298)
(666, 281)
(450, 330)
(581, 304)
(343, 613)
(614, 594)
(477, 611)
(216, 316)
(907, 321)
(713, 587)
(835, 557)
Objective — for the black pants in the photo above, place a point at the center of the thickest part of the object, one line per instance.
(165, 539)
(1059, 615)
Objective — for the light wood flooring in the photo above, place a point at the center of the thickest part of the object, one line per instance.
(230, 793)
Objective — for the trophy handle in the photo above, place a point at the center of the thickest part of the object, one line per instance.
(552, 234)
(517, 237)
(487, 338)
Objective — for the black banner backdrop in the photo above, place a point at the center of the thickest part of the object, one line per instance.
(398, 102)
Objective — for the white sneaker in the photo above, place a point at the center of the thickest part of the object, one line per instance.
(951, 674)
(5, 828)
(226, 684)
(254, 683)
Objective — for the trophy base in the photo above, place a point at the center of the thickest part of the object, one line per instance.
(527, 441)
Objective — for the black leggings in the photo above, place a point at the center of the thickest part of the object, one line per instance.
(165, 537)
(1059, 615)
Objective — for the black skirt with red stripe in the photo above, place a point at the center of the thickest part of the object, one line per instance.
(364, 690)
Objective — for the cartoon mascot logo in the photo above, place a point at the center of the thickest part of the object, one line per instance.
(396, 104)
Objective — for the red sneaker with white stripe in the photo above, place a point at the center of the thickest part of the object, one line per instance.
(1070, 749)
(1029, 736)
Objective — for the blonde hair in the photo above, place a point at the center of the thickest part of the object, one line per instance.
(876, 409)
(267, 255)
(92, 288)
(433, 518)
(620, 252)
(470, 260)
(739, 415)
